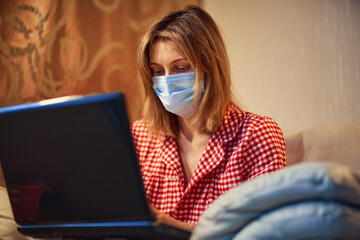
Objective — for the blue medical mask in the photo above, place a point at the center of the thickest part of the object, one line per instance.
(176, 93)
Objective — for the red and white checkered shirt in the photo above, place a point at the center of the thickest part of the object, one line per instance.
(244, 147)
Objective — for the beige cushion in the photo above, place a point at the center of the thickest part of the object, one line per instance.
(339, 143)
(294, 148)
(8, 227)
(2, 181)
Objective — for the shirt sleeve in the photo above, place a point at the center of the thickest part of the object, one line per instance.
(266, 149)
(141, 141)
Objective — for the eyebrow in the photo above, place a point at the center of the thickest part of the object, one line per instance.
(176, 60)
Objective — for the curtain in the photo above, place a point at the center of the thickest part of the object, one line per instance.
(53, 48)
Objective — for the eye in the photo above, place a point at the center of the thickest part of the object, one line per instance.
(157, 72)
(182, 68)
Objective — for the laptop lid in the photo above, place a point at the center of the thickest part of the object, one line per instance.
(71, 159)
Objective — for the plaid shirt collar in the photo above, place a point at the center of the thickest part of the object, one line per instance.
(214, 151)
(232, 122)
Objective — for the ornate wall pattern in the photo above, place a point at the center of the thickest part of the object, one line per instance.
(52, 48)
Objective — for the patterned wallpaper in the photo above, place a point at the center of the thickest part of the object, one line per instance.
(52, 48)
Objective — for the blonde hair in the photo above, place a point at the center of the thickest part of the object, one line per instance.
(196, 34)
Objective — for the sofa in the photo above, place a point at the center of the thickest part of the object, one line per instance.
(8, 228)
(316, 197)
(336, 143)
(332, 147)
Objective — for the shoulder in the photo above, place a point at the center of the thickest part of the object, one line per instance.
(250, 127)
(141, 135)
(263, 145)
(262, 132)
(264, 136)
(140, 132)
(242, 124)
(261, 124)
(139, 128)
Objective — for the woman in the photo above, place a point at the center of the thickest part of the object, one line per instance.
(193, 142)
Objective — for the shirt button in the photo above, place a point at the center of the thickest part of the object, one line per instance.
(181, 205)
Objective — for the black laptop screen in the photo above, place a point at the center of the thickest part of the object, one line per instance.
(71, 161)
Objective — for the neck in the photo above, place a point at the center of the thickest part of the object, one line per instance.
(190, 133)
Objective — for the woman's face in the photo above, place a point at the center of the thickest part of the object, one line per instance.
(166, 58)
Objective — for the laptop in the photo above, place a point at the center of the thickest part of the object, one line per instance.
(71, 170)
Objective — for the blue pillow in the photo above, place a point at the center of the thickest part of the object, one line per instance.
(305, 220)
(301, 182)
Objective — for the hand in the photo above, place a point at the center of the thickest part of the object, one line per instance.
(166, 218)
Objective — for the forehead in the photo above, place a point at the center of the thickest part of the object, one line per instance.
(165, 49)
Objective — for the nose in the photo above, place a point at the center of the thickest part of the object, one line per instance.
(168, 72)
